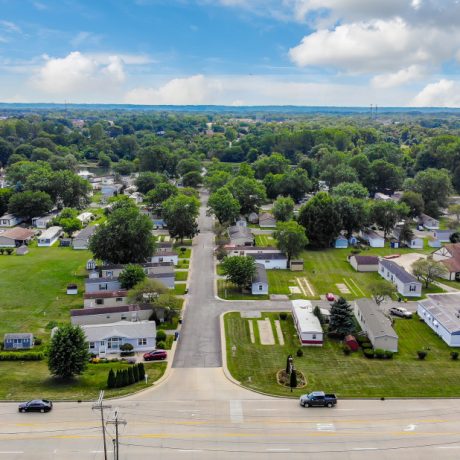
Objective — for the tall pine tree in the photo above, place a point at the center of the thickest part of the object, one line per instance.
(341, 321)
(111, 379)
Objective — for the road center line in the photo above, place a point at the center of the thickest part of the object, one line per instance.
(278, 450)
(364, 448)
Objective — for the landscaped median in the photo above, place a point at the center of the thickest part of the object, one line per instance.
(26, 380)
(327, 368)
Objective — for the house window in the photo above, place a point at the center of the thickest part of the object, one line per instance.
(412, 288)
(114, 343)
(123, 317)
(109, 274)
(91, 345)
(260, 287)
(119, 299)
(160, 259)
(99, 301)
(313, 336)
(103, 287)
(142, 342)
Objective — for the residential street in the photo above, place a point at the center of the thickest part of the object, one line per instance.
(197, 413)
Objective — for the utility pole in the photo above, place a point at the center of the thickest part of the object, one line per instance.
(100, 406)
(116, 421)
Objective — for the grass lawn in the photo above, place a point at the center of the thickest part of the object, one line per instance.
(23, 381)
(183, 263)
(185, 254)
(33, 288)
(219, 270)
(228, 291)
(265, 240)
(179, 289)
(181, 276)
(328, 369)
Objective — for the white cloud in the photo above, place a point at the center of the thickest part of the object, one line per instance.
(379, 45)
(193, 90)
(9, 26)
(444, 93)
(78, 72)
(401, 77)
(87, 38)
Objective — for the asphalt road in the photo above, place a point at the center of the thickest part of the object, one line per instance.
(198, 414)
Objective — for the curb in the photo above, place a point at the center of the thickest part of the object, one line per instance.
(223, 344)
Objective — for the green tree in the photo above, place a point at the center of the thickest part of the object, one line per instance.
(384, 177)
(5, 195)
(428, 270)
(188, 165)
(69, 190)
(131, 275)
(453, 209)
(353, 213)
(141, 371)
(351, 189)
(321, 219)
(136, 372)
(119, 379)
(434, 185)
(160, 194)
(283, 209)
(387, 213)
(381, 290)
(406, 234)
(239, 270)
(224, 206)
(291, 238)
(192, 179)
(125, 238)
(274, 164)
(216, 179)
(68, 352)
(341, 320)
(131, 375)
(249, 192)
(30, 204)
(180, 213)
(317, 312)
(111, 379)
(414, 201)
(293, 378)
(147, 181)
(6, 149)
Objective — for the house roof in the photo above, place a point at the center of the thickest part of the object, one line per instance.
(85, 233)
(105, 294)
(397, 234)
(18, 233)
(126, 329)
(425, 218)
(445, 308)
(266, 216)
(452, 264)
(372, 234)
(443, 233)
(260, 275)
(267, 255)
(366, 260)
(165, 253)
(101, 280)
(19, 335)
(237, 231)
(103, 310)
(398, 271)
(143, 265)
(374, 319)
(232, 247)
(50, 232)
(306, 320)
(164, 244)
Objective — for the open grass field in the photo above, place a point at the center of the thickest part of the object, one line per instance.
(33, 288)
(24, 381)
(181, 276)
(328, 369)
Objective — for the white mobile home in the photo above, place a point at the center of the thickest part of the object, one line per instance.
(406, 283)
(271, 260)
(376, 325)
(373, 238)
(260, 281)
(49, 236)
(8, 220)
(105, 315)
(105, 298)
(441, 313)
(307, 324)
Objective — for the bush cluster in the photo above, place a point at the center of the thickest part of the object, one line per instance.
(377, 353)
(283, 315)
(161, 336)
(21, 356)
(299, 353)
(454, 355)
(346, 350)
(161, 345)
(125, 377)
(366, 345)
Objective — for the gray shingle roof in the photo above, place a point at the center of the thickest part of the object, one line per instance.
(267, 256)
(398, 271)
(19, 335)
(374, 319)
(367, 260)
(126, 329)
(260, 275)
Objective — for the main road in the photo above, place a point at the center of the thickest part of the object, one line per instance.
(198, 414)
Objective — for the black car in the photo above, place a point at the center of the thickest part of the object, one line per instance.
(36, 405)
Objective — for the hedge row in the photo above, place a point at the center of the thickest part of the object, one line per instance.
(21, 356)
(125, 377)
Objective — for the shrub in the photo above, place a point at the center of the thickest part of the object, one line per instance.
(51, 325)
(119, 379)
(9, 251)
(366, 345)
(362, 339)
(161, 336)
(161, 344)
(37, 341)
(379, 353)
(389, 354)
(21, 356)
(131, 376)
(125, 377)
(126, 349)
(136, 372)
(454, 355)
(421, 354)
(283, 315)
(368, 353)
(111, 379)
(346, 350)
(141, 369)
(299, 352)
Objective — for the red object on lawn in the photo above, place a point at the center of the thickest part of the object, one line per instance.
(351, 342)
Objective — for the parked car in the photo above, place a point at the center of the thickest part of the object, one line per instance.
(36, 405)
(401, 312)
(330, 297)
(155, 355)
(318, 399)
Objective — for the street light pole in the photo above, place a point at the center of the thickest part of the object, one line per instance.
(99, 406)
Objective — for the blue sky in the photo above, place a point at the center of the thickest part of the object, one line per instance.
(301, 52)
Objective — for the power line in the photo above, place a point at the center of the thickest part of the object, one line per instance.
(100, 406)
(116, 445)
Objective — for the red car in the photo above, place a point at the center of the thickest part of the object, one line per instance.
(330, 297)
(155, 355)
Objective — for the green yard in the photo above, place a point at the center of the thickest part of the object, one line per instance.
(184, 254)
(33, 288)
(181, 276)
(228, 291)
(179, 289)
(23, 381)
(328, 369)
(265, 240)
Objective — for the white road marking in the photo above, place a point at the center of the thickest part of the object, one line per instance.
(325, 427)
(236, 411)
(190, 450)
(188, 410)
(11, 452)
(265, 409)
(447, 447)
(410, 428)
(278, 450)
(365, 448)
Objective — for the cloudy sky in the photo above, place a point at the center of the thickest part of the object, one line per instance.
(233, 52)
